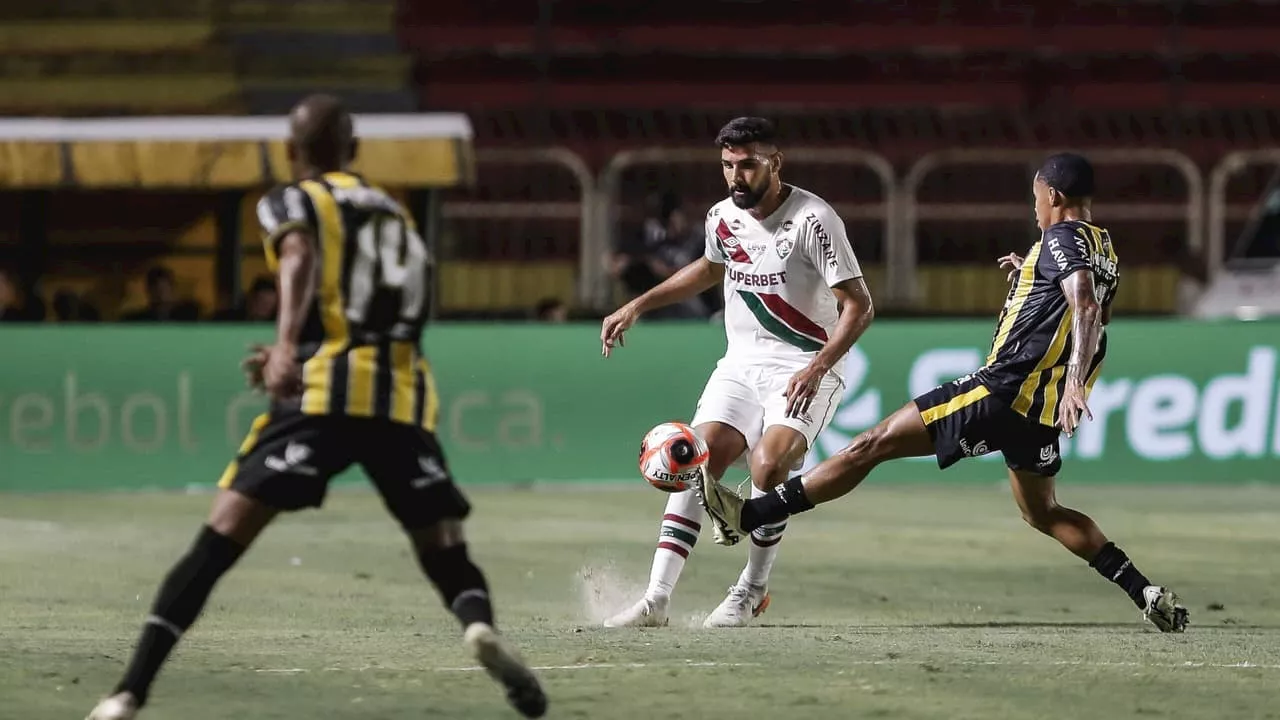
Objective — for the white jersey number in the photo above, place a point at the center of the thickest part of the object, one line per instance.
(399, 255)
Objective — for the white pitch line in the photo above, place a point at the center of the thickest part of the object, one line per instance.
(1243, 665)
(607, 666)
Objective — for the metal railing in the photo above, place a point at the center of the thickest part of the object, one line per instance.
(580, 210)
(1205, 210)
(1220, 211)
(914, 211)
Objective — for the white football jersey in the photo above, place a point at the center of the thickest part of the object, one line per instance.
(778, 276)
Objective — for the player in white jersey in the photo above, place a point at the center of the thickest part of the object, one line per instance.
(795, 302)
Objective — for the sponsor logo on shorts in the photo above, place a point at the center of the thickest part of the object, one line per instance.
(1047, 456)
(433, 473)
(980, 448)
(295, 456)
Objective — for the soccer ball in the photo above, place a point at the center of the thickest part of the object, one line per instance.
(671, 455)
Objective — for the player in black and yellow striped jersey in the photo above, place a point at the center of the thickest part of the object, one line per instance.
(1033, 341)
(1046, 353)
(359, 347)
(348, 385)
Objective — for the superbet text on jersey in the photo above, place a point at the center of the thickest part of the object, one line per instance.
(778, 275)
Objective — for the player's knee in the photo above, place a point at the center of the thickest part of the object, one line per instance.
(768, 470)
(437, 536)
(451, 570)
(868, 449)
(1040, 516)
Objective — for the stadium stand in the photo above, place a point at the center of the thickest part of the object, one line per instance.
(828, 53)
(64, 58)
(70, 58)
(212, 56)
(901, 79)
(289, 49)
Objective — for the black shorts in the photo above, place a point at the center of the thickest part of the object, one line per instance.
(288, 458)
(966, 420)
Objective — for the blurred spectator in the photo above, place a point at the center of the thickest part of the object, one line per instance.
(163, 304)
(15, 304)
(551, 310)
(667, 241)
(72, 307)
(259, 305)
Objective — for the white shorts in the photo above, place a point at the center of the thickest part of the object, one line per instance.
(752, 398)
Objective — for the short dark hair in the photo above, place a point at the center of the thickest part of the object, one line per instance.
(746, 130)
(1068, 173)
(321, 128)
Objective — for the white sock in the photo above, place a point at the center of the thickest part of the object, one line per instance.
(762, 550)
(681, 524)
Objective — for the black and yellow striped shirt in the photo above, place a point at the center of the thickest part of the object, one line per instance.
(360, 346)
(1033, 339)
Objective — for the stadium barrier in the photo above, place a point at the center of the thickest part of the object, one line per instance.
(102, 407)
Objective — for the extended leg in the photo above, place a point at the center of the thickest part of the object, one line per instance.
(234, 523)
(1078, 533)
(902, 434)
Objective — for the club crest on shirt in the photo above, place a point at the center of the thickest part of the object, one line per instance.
(735, 224)
(784, 246)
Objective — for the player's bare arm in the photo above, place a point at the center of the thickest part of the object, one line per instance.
(856, 313)
(692, 279)
(1085, 329)
(281, 375)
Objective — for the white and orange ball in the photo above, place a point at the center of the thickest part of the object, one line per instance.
(671, 455)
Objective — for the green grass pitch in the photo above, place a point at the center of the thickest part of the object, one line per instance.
(928, 601)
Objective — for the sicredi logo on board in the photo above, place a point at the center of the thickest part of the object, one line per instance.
(1164, 416)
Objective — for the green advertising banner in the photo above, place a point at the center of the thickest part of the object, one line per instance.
(137, 407)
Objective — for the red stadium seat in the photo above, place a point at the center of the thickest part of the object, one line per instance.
(902, 79)
(921, 54)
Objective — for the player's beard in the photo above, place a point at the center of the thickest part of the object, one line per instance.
(746, 197)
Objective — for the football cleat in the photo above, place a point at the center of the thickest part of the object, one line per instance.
(645, 613)
(121, 706)
(524, 692)
(1164, 609)
(743, 603)
(723, 506)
